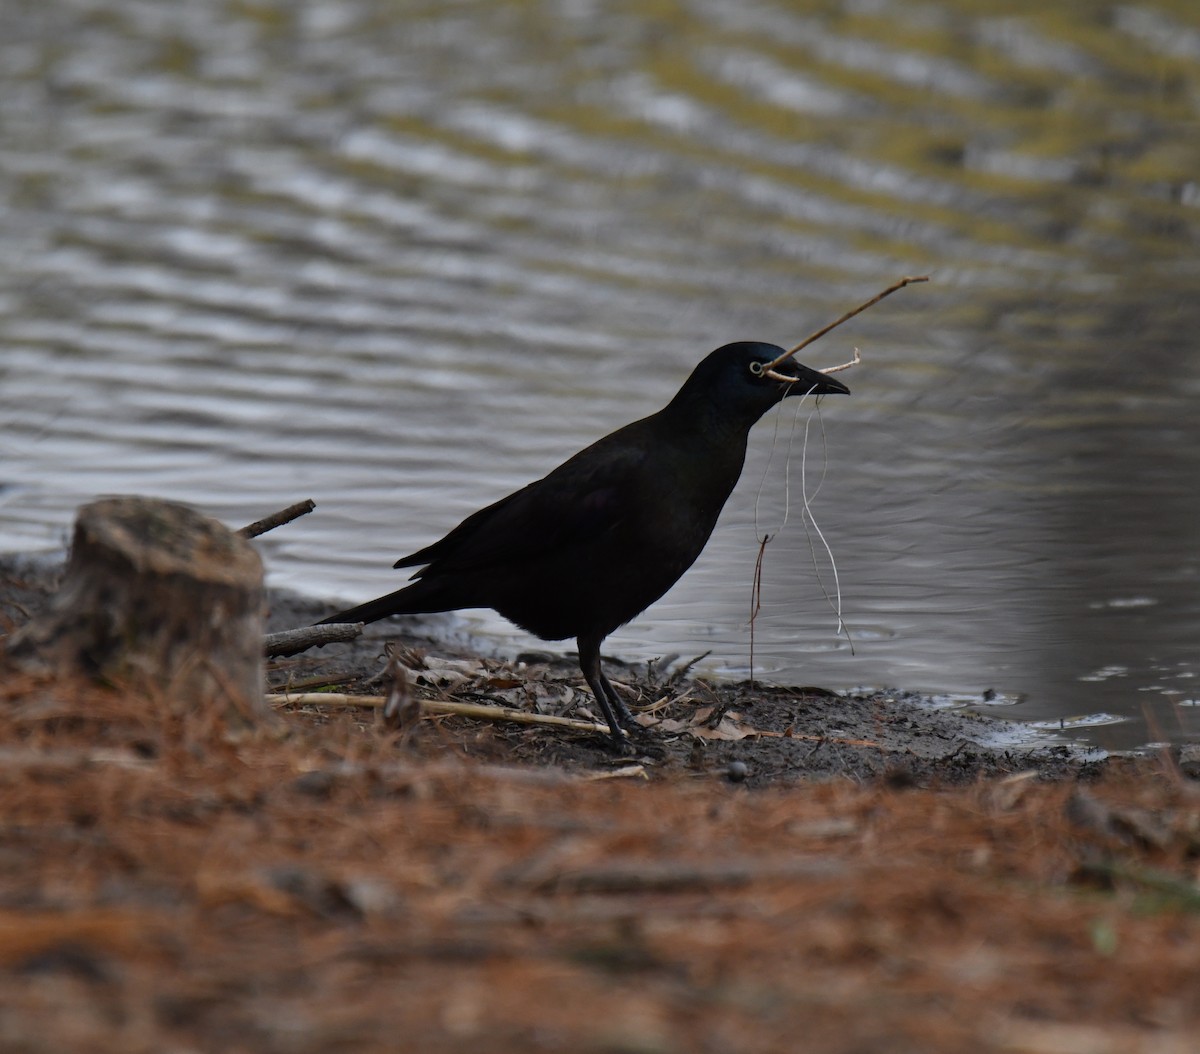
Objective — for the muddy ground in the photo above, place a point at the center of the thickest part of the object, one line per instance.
(760, 870)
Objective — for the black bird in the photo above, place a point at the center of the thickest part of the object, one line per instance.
(597, 541)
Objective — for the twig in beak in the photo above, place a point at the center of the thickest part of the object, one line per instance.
(775, 375)
(845, 365)
(768, 370)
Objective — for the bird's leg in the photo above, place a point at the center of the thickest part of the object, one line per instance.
(616, 713)
(625, 716)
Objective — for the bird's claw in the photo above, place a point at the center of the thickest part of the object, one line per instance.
(620, 744)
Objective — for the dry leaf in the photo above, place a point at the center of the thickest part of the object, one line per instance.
(730, 728)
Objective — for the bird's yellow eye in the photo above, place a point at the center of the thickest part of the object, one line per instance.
(756, 368)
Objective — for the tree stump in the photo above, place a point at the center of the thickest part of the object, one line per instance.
(158, 599)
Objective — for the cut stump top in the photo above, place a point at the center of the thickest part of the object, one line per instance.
(181, 540)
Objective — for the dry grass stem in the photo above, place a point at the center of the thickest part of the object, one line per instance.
(845, 365)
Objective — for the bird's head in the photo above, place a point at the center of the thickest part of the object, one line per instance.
(733, 379)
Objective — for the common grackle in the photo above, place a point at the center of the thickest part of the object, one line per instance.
(593, 544)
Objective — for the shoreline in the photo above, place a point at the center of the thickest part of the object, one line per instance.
(752, 733)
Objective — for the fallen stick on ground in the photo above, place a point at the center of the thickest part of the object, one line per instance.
(479, 711)
(484, 712)
(294, 641)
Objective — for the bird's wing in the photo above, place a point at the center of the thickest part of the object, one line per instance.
(581, 499)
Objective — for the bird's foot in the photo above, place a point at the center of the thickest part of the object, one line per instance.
(625, 716)
(620, 745)
(629, 737)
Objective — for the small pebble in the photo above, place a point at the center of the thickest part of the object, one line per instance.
(736, 771)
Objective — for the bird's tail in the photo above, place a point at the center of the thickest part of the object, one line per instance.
(418, 598)
(371, 611)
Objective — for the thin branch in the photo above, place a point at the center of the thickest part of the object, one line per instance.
(680, 672)
(269, 523)
(907, 280)
(479, 711)
(294, 641)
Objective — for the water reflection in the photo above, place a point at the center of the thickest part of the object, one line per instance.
(405, 257)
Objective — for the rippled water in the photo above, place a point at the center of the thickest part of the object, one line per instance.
(402, 257)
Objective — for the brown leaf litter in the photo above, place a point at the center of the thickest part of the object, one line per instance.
(325, 883)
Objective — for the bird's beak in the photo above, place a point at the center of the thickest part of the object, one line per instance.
(810, 382)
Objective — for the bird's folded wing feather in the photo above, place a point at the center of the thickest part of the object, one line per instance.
(579, 500)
